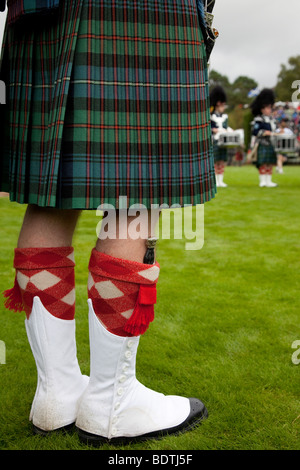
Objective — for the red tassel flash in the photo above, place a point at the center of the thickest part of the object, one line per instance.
(143, 312)
(14, 298)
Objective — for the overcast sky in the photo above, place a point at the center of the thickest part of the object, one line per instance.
(256, 37)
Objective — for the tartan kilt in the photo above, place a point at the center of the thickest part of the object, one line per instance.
(220, 153)
(105, 100)
(266, 155)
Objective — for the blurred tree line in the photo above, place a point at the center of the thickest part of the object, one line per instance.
(237, 92)
(287, 76)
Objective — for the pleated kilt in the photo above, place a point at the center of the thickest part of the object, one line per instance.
(105, 100)
(220, 153)
(266, 155)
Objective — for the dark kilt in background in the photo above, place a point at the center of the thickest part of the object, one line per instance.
(107, 99)
(220, 153)
(266, 155)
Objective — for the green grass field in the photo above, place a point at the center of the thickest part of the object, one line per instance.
(226, 318)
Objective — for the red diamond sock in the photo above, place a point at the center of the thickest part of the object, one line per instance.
(47, 273)
(263, 170)
(123, 293)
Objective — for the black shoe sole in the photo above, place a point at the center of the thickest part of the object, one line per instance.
(197, 414)
(42, 432)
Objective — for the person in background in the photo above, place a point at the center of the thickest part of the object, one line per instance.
(263, 126)
(283, 128)
(219, 124)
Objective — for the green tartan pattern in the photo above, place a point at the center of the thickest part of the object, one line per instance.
(108, 100)
(266, 155)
